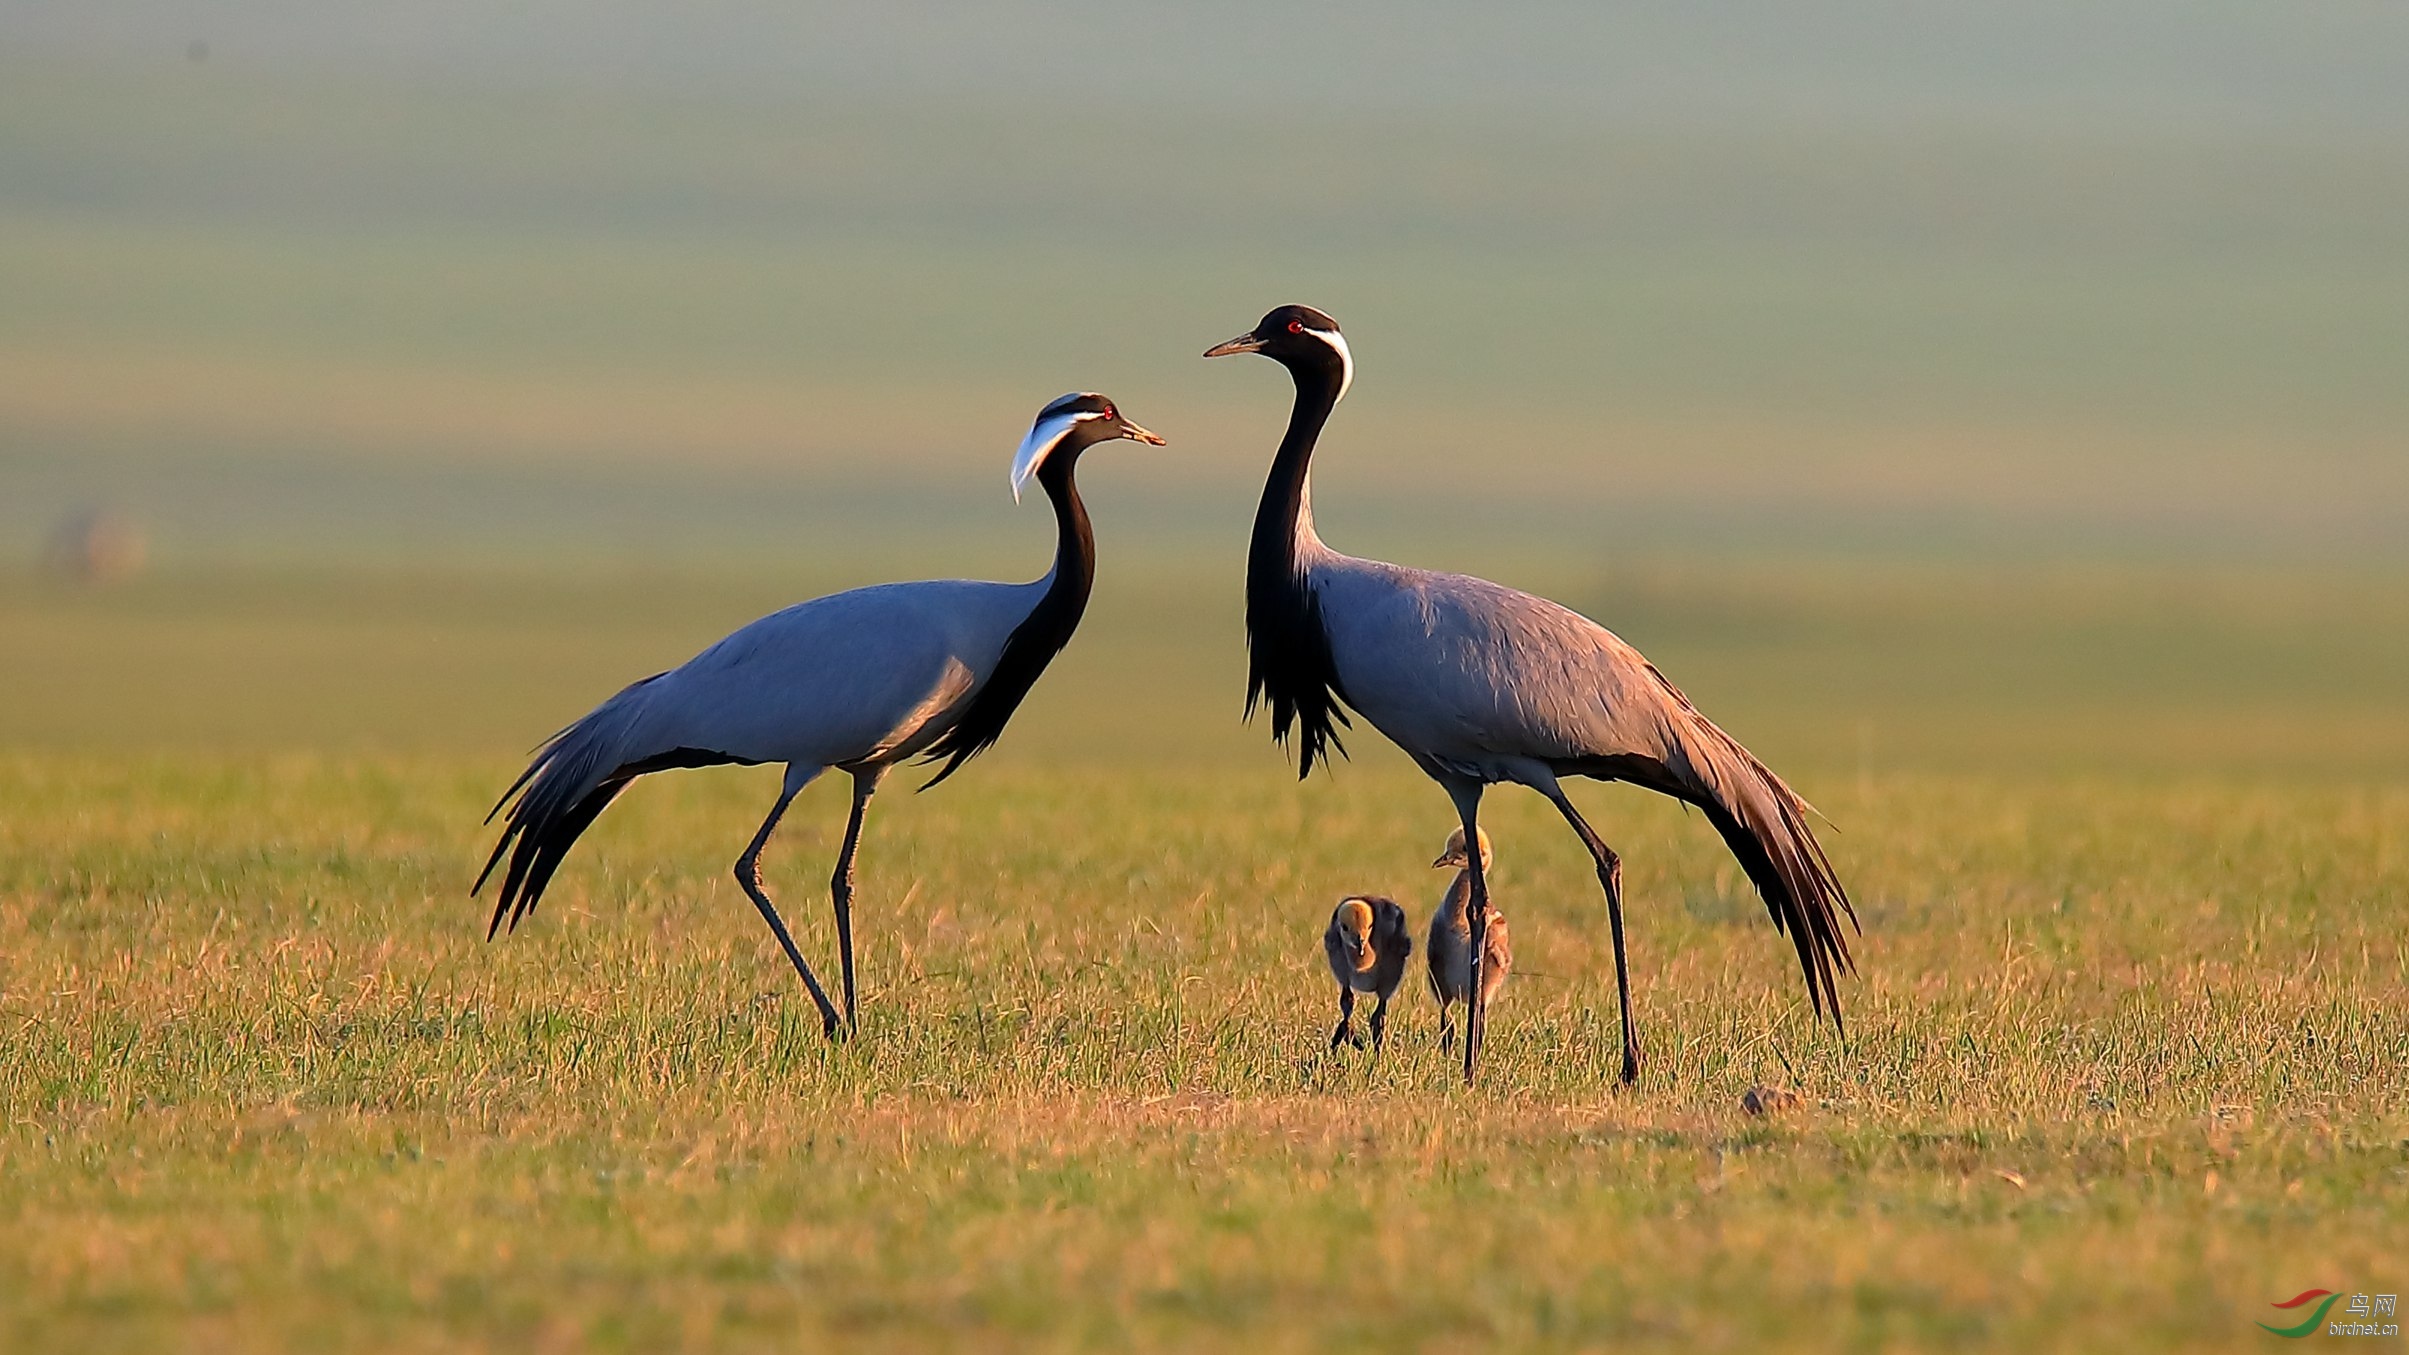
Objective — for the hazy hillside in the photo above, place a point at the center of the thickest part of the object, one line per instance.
(583, 278)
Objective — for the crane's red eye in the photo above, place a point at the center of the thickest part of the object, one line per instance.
(1296, 326)
(1111, 413)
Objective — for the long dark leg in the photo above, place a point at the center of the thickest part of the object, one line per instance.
(1476, 1005)
(1467, 797)
(1610, 875)
(1380, 1021)
(1346, 1018)
(840, 885)
(748, 874)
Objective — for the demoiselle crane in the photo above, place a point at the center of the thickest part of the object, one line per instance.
(1449, 954)
(1366, 944)
(1481, 684)
(857, 681)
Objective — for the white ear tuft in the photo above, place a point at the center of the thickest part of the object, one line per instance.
(1346, 360)
(1046, 435)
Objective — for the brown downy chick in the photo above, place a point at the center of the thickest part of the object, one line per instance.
(1367, 945)
(1450, 953)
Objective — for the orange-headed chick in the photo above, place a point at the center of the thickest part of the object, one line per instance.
(1367, 944)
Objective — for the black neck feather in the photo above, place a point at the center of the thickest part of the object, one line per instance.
(1288, 652)
(1037, 639)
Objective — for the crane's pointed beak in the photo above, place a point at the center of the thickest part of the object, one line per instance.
(1136, 434)
(1244, 343)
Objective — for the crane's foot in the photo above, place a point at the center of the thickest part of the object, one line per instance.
(1631, 1064)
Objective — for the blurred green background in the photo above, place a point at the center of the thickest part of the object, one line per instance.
(1923, 387)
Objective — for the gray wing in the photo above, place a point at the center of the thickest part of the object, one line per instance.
(1449, 941)
(859, 676)
(1396, 948)
(1471, 672)
(1395, 927)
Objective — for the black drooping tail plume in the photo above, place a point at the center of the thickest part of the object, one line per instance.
(1791, 873)
(574, 777)
(1764, 823)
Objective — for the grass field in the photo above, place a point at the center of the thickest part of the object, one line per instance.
(2123, 1064)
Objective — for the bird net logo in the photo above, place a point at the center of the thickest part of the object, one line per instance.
(2362, 1316)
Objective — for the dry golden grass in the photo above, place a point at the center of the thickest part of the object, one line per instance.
(2124, 1065)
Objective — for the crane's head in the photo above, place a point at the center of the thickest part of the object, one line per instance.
(1454, 855)
(1301, 339)
(1353, 923)
(1068, 426)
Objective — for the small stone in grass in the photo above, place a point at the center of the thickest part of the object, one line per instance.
(1763, 1101)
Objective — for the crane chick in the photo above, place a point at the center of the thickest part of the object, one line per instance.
(1367, 945)
(1450, 953)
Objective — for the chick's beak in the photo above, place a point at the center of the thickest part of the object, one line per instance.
(1455, 859)
(1136, 434)
(1244, 343)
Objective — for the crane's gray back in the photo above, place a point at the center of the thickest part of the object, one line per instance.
(843, 678)
(1476, 675)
